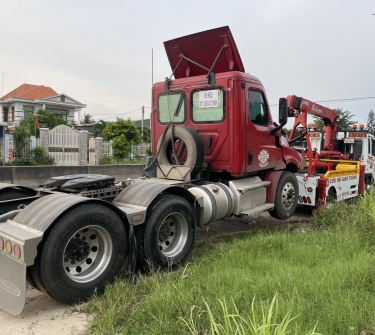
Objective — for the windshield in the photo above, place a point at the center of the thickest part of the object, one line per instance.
(168, 107)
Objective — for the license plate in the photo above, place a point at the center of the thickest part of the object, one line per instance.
(348, 140)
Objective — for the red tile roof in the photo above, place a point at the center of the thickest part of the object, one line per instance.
(32, 92)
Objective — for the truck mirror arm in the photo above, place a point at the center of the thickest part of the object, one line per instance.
(274, 130)
(297, 138)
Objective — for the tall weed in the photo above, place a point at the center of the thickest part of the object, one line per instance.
(225, 322)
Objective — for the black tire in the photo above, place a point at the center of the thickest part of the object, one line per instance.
(286, 197)
(167, 237)
(13, 193)
(80, 255)
(331, 196)
(194, 148)
(369, 182)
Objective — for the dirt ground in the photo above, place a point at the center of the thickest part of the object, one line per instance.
(44, 316)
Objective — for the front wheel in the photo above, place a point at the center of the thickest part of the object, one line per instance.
(286, 196)
(84, 251)
(167, 237)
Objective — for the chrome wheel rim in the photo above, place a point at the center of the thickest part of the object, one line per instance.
(87, 254)
(173, 235)
(288, 195)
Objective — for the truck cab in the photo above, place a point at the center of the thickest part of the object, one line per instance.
(227, 107)
(358, 144)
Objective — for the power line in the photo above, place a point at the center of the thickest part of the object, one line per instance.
(122, 113)
(336, 100)
(136, 110)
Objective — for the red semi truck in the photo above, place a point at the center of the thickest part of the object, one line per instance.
(217, 152)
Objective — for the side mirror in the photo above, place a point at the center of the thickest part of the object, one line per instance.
(283, 111)
(283, 115)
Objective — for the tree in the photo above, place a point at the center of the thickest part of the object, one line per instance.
(98, 128)
(124, 133)
(146, 135)
(87, 118)
(343, 119)
(21, 138)
(371, 122)
(45, 119)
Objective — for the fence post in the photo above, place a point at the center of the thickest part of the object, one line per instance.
(44, 138)
(92, 151)
(98, 149)
(83, 147)
(32, 142)
(110, 148)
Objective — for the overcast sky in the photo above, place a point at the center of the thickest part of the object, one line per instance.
(99, 52)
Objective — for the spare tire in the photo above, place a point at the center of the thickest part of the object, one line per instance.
(188, 148)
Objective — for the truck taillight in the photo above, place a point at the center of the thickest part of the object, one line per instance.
(1, 243)
(17, 251)
(8, 247)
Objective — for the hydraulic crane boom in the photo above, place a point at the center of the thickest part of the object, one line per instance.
(301, 107)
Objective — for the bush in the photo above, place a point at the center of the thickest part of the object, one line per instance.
(27, 161)
(105, 160)
(40, 157)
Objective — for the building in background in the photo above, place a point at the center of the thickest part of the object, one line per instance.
(29, 98)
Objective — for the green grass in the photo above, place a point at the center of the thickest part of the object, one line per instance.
(323, 281)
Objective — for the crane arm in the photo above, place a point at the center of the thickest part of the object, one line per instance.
(300, 107)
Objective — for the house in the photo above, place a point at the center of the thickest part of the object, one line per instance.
(29, 98)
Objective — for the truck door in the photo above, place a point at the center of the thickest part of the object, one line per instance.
(370, 161)
(261, 151)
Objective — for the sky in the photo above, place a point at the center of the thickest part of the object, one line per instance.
(100, 52)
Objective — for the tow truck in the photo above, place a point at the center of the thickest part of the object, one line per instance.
(216, 153)
(338, 163)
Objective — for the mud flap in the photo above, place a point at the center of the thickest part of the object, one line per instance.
(13, 264)
(12, 285)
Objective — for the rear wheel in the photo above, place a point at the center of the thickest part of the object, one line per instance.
(168, 236)
(84, 251)
(286, 196)
(13, 193)
(331, 196)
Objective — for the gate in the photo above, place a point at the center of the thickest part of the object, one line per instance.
(64, 145)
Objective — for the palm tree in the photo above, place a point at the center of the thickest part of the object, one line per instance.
(87, 118)
(98, 127)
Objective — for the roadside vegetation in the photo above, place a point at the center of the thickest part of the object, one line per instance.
(318, 279)
(105, 160)
(35, 157)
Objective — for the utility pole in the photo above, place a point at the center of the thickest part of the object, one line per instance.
(2, 87)
(143, 117)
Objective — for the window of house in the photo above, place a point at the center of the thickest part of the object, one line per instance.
(5, 113)
(168, 103)
(27, 110)
(59, 113)
(208, 105)
(257, 108)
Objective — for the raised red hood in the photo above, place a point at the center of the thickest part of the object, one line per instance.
(203, 48)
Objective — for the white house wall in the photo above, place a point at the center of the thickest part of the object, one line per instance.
(19, 112)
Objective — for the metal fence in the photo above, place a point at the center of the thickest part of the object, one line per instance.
(70, 147)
